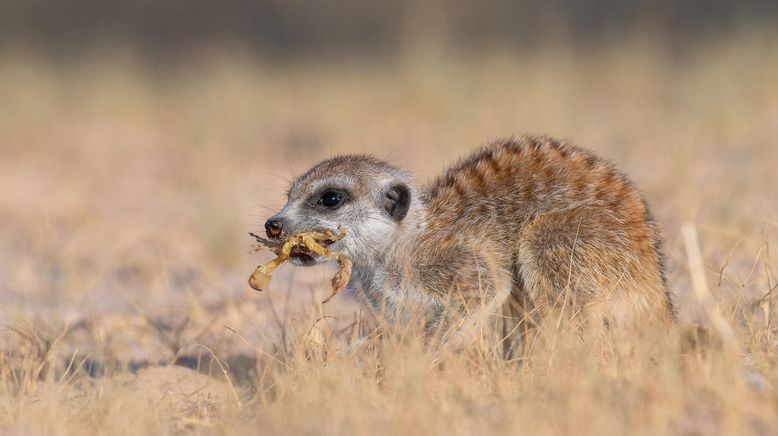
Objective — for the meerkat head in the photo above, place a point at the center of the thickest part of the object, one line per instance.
(369, 198)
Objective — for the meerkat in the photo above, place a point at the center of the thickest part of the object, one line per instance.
(522, 227)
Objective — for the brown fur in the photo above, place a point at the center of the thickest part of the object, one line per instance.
(525, 226)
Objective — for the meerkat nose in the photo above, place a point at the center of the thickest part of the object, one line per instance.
(273, 227)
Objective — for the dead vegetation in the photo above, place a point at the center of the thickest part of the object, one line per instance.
(152, 329)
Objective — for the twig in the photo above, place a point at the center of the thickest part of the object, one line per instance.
(226, 374)
(700, 285)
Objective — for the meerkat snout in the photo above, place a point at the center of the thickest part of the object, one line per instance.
(273, 228)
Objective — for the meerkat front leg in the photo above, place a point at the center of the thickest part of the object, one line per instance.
(470, 285)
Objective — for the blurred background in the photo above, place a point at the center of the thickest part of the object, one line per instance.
(141, 140)
(373, 29)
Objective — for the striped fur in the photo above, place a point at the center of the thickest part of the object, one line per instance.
(522, 226)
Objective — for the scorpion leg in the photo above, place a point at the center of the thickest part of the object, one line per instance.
(313, 245)
(341, 279)
(261, 276)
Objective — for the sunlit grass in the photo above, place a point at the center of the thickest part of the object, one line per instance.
(126, 193)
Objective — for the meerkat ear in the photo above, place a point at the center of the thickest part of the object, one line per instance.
(397, 200)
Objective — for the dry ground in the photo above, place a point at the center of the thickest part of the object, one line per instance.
(126, 193)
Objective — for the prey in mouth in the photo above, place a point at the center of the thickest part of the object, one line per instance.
(298, 248)
(301, 249)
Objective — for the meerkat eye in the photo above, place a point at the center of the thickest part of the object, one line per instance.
(331, 199)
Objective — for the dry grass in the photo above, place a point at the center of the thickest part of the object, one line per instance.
(126, 195)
